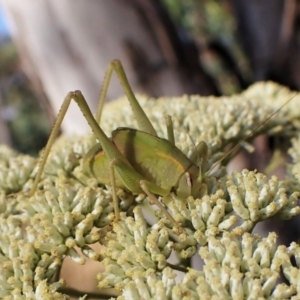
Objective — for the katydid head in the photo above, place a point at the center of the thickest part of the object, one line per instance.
(188, 183)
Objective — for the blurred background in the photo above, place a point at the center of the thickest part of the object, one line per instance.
(168, 48)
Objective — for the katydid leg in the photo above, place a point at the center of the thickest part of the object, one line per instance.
(46, 151)
(200, 152)
(199, 157)
(142, 119)
(153, 199)
(170, 129)
(112, 178)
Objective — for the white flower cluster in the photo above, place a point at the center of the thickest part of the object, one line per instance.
(244, 197)
(249, 267)
(255, 198)
(63, 216)
(65, 156)
(132, 247)
(25, 271)
(236, 267)
(70, 211)
(15, 170)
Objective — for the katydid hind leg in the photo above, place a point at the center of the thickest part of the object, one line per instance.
(143, 121)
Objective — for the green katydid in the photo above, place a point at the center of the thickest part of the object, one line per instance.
(136, 160)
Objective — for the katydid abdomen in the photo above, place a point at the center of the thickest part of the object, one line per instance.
(155, 159)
